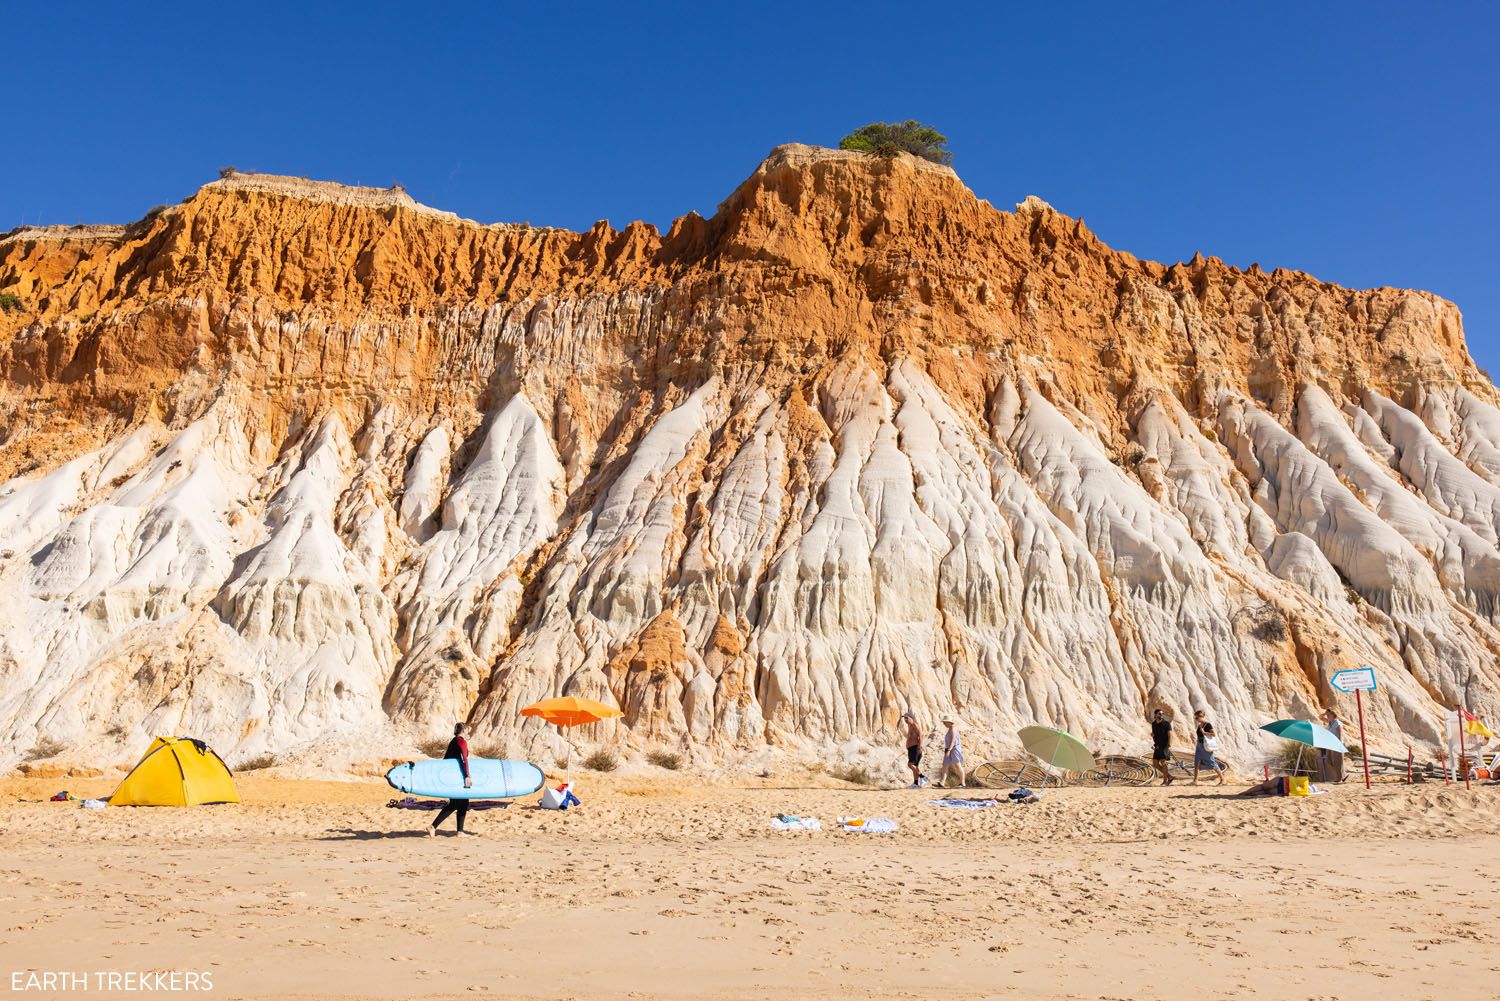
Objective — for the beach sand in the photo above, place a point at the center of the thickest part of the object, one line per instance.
(666, 887)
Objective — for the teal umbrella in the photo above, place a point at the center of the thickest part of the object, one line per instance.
(1305, 731)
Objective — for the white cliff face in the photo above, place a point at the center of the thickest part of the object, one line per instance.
(460, 596)
(312, 473)
(837, 560)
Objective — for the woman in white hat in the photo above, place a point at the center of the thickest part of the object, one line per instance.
(953, 752)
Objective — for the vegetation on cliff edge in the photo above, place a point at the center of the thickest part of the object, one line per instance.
(887, 139)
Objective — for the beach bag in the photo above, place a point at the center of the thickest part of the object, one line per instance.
(558, 799)
(1210, 742)
(1298, 785)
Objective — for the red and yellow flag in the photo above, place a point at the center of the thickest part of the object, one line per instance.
(1473, 725)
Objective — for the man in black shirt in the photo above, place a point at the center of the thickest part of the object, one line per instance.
(1161, 745)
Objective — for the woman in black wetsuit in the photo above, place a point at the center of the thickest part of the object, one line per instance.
(457, 748)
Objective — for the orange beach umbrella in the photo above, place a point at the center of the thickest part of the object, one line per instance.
(570, 711)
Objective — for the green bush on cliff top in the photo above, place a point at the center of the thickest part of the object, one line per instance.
(890, 138)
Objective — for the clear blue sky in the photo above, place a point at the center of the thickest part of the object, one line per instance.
(1357, 141)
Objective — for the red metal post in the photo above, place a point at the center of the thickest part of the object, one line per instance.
(1408, 766)
(1364, 747)
(1463, 746)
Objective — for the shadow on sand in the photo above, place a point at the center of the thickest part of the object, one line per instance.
(1222, 795)
(350, 834)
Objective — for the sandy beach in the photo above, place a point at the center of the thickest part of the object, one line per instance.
(669, 888)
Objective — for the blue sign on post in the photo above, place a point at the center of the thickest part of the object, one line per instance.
(1356, 679)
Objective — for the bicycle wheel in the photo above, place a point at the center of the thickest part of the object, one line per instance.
(1121, 770)
(1011, 772)
(1091, 778)
(998, 774)
(1036, 776)
(1182, 765)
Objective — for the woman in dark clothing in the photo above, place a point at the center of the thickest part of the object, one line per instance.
(457, 748)
(1203, 749)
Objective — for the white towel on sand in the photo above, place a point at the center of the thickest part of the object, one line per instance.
(796, 824)
(874, 825)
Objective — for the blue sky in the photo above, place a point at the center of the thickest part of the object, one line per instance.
(1357, 141)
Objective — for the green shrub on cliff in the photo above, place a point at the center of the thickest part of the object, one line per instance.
(890, 138)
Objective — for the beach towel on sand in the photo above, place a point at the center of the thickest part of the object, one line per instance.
(962, 804)
(874, 825)
(786, 822)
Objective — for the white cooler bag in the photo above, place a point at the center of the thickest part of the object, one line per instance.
(559, 798)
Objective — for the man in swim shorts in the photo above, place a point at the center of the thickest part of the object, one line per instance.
(914, 750)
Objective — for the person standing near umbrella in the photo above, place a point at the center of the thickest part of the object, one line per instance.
(1161, 744)
(914, 750)
(1330, 762)
(458, 748)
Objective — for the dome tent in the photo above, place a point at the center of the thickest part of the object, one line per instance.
(177, 771)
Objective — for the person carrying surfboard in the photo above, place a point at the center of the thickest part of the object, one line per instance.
(457, 748)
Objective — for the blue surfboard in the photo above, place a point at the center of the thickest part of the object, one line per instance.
(443, 779)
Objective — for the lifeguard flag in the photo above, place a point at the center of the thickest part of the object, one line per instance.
(1473, 725)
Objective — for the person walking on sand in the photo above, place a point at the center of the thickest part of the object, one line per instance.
(953, 752)
(1161, 744)
(914, 750)
(1331, 763)
(1204, 747)
(458, 748)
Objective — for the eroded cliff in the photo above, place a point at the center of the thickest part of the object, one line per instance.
(313, 471)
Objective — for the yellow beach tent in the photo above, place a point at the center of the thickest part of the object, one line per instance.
(177, 771)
